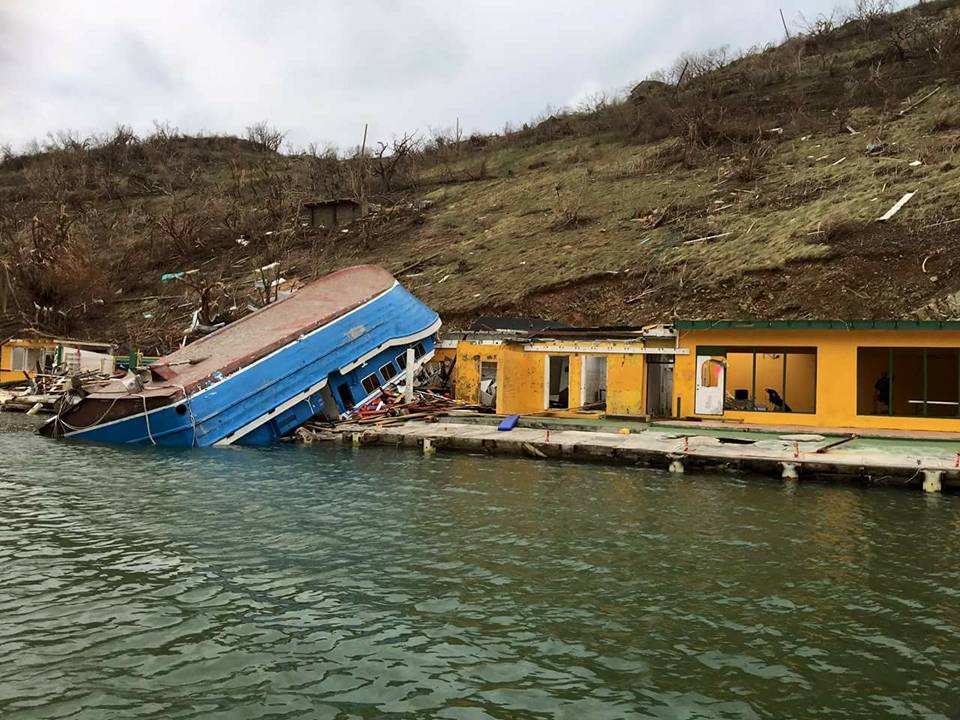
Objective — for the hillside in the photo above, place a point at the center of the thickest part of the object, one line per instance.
(723, 189)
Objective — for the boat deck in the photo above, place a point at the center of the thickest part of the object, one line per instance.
(269, 328)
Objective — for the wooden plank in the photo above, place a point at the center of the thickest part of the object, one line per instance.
(896, 208)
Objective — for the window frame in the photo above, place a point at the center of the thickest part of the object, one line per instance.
(754, 350)
(372, 376)
(393, 371)
(925, 360)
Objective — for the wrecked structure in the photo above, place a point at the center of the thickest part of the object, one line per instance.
(32, 352)
(325, 349)
(332, 213)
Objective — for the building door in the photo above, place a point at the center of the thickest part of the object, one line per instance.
(488, 384)
(660, 385)
(558, 382)
(711, 378)
(593, 382)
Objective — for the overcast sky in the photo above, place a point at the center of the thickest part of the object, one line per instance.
(320, 69)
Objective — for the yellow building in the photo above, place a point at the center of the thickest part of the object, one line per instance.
(622, 372)
(902, 375)
(20, 357)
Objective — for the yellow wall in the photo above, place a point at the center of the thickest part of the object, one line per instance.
(521, 376)
(6, 358)
(836, 366)
(626, 384)
(520, 380)
(466, 373)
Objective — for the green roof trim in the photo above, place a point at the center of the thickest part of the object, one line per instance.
(817, 324)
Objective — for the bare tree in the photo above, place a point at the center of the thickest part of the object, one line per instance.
(867, 13)
(390, 157)
(265, 137)
(182, 227)
(819, 31)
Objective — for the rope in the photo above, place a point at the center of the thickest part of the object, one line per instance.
(193, 419)
(146, 418)
(63, 422)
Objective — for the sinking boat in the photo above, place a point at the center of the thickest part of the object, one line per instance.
(328, 348)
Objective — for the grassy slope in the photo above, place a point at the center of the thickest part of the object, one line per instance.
(501, 249)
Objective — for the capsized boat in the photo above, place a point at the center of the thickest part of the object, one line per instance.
(324, 350)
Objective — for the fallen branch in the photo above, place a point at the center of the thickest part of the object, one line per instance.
(938, 224)
(706, 237)
(412, 265)
(632, 300)
(919, 102)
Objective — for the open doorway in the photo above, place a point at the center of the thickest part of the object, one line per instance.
(558, 381)
(488, 384)
(660, 385)
(330, 410)
(593, 383)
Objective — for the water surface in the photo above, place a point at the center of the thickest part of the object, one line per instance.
(325, 582)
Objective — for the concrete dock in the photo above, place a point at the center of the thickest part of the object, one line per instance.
(902, 461)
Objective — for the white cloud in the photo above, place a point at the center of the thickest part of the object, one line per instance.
(323, 69)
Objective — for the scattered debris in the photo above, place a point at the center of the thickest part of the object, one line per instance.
(919, 102)
(896, 208)
(839, 161)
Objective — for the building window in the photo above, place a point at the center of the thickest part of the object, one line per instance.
(18, 358)
(769, 379)
(388, 371)
(908, 382)
(371, 382)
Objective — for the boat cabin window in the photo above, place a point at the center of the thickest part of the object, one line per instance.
(388, 371)
(908, 381)
(402, 360)
(419, 351)
(371, 382)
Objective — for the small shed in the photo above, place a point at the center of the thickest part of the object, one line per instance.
(332, 213)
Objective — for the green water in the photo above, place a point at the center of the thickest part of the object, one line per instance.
(320, 582)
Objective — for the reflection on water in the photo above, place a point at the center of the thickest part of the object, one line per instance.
(320, 582)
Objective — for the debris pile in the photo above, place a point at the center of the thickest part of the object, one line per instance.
(45, 391)
(390, 408)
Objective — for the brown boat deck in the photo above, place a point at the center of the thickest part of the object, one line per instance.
(269, 328)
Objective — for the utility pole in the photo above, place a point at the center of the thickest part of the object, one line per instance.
(783, 20)
(363, 171)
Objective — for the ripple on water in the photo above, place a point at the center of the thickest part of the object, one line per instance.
(296, 582)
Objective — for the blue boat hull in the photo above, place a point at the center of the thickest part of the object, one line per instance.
(274, 395)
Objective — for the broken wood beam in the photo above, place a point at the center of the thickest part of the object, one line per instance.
(896, 208)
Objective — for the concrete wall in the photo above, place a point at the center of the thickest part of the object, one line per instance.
(836, 373)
